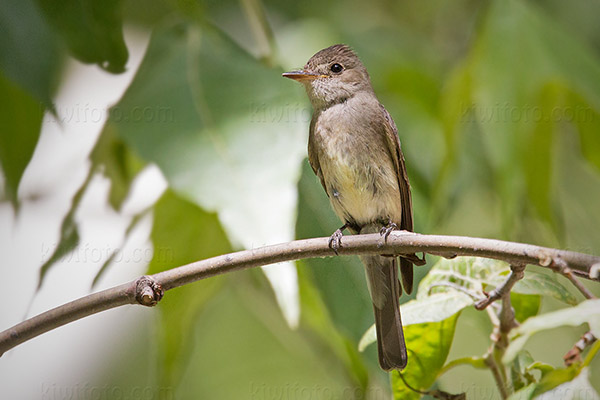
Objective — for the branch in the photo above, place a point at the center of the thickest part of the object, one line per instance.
(516, 273)
(148, 290)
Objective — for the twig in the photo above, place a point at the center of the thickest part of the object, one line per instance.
(564, 269)
(574, 355)
(397, 243)
(517, 271)
(503, 324)
(436, 394)
(475, 362)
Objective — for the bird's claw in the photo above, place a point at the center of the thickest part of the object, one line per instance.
(335, 241)
(387, 229)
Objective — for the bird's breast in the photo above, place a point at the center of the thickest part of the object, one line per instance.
(358, 172)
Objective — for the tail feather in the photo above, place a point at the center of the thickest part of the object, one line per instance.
(382, 277)
(385, 289)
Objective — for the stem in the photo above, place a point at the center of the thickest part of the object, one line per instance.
(497, 373)
(475, 362)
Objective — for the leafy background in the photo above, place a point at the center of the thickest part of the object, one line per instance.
(497, 103)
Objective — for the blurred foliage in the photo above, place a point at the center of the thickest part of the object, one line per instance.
(498, 108)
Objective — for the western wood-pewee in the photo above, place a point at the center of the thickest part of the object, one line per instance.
(353, 148)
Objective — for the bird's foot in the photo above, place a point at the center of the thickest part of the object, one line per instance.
(387, 229)
(335, 241)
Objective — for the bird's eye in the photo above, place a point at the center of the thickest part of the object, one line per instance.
(336, 68)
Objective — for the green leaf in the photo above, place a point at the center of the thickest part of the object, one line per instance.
(586, 312)
(525, 393)
(576, 388)
(182, 233)
(233, 148)
(428, 346)
(315, 316)
(92, 30)
(20, 124)
(537, 164)
(555, 379)
(30, 54)
(545, 285)
(525, 306)
(587, 119)
(565, 383)
(467, 272)
(435, 308)
(69, 232)
(520, 375)
(117, 163)
(243, 348)
(540, 366)
(68, 241)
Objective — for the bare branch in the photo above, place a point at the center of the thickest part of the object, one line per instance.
(516, 273)
(398, 242)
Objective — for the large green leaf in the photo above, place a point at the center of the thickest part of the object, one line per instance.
(222, 128)
(428, 346)
(20, 124)
(30, 53)
(316, 318)
(245, 349)
(182, 233)
(92, 30)
(586, 312)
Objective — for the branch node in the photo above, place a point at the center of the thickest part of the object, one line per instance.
(595, 271)
(545, 258)
(574, 355)
(517, 271)
(563, 268)
(148, 292)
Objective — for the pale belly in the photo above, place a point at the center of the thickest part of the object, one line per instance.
(362, 187)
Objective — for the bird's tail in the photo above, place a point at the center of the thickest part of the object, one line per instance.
(382, 278)
(385, 289)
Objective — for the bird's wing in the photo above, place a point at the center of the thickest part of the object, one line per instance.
(393, 143)
(313, 156)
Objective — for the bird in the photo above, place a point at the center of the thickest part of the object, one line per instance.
(354, 150)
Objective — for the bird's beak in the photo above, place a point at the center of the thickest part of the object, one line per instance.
(302, 75)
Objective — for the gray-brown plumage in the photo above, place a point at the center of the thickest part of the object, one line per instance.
(353, 148)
